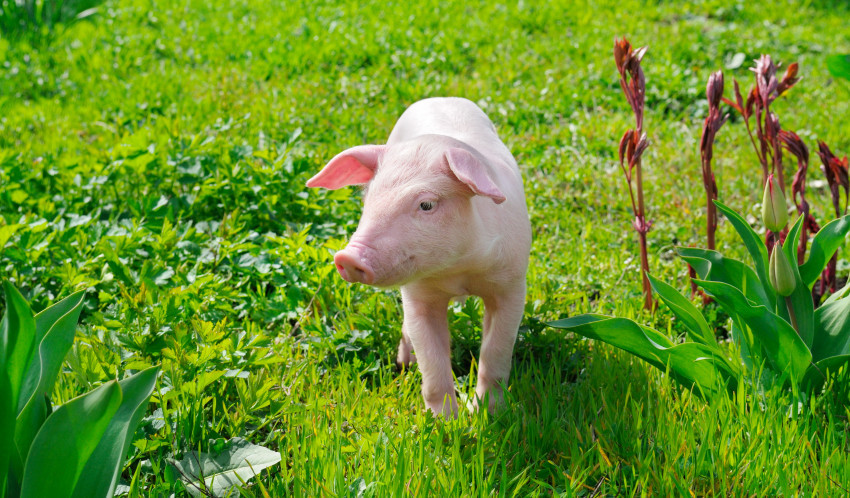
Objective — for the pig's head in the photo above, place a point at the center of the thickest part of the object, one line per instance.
(418, 217)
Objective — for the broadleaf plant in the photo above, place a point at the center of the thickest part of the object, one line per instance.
(78, 449)
(205, 474)
(780, 337)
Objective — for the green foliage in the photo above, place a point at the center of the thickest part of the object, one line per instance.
(79, 448)
(38, 20)
(839, 66)
(690, 363)
(779, 338)
(237, 461)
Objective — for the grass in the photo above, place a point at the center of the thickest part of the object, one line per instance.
(157, 157)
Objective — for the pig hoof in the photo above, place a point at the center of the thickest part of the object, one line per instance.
(495, 401)
(445, 407)
(405, 363)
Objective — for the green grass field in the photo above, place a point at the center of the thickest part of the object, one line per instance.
(157, 156)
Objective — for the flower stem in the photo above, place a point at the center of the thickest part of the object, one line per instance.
(644, 260)
(792, 314)
(711, 216)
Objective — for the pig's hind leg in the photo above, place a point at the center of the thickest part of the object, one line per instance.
(426, 325)
(405, 357)
(502, 317)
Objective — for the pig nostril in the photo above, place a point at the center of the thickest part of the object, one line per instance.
(352, 269)
(360, 272)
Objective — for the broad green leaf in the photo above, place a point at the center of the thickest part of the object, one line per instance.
(685, 311)
(9, 330)
(689, 363)
(754, 244)
(47, 318)
(711, 265)
(215, 475)
(817, 373)
(839, 65)
(66, 441)
(100, 475)
(801, 298)
(832, 323)
(785, 350)
(839, 294)
(826, 242)
(792, 240)
(7, 425)
(55, 328)
(743, 342)
(17, 339)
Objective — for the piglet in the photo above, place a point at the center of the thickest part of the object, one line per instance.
(444, 216)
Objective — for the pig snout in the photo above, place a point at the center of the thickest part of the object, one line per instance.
(352, 265)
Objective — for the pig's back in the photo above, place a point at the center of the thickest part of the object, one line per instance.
(455, 117)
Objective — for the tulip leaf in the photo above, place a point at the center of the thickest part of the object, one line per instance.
(55, 329)
(17, 331)
(825, 243)
(743, 341)
(839, 65)
(784, 348)
(832, 322)
(792, 240)
(101, 472)
(66, 441)
(689, 363)
(711, 265)
(685, 311)
(817, 374)
(754, 244)
(801, 297)
(7, 417)
(839, 294)
(18, 339)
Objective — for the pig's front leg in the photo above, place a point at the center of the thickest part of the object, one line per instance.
(502, 317)
(427, 327)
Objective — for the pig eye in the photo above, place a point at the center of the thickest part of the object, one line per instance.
(426, 205)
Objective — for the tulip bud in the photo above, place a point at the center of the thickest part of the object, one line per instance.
(781, 275)
(774, 211)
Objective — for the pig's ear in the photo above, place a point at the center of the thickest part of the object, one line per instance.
(475, 173)
(350, 167)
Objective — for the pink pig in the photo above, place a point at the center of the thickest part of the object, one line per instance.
(444, 216)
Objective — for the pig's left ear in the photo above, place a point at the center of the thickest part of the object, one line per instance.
(353, 166)
(475, 173)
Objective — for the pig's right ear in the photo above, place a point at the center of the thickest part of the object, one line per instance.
(475, 173)
(350, 167)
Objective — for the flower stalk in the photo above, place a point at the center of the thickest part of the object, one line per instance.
(836, 171)
(712, 124)
(766, 141)
(793, 144)
(632, 146)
